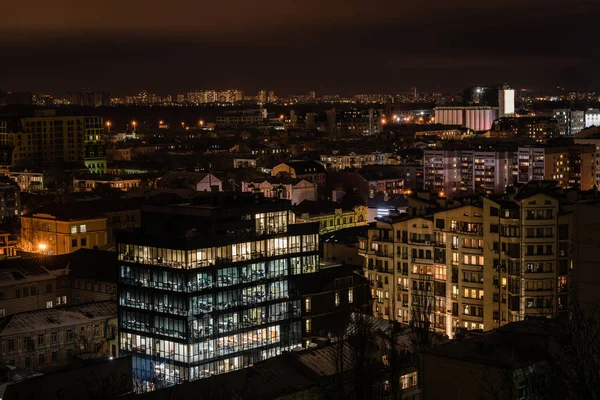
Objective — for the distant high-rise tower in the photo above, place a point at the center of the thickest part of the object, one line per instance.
(414, 92)
(312, 95)
(262, 96)
(506, 102)
(271, 98)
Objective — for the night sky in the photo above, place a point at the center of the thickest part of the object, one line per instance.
(345, 46)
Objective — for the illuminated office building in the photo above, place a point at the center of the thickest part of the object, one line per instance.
(211, 287)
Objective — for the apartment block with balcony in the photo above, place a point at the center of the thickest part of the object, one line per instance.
(466, 172)
(399, 263)
(475, 266)
(527, 255)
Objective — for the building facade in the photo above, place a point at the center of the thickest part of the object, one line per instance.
(43, 340)
(475, 118)
(95, 141)
(45, 140)
(474, 267)
(466, 172)
(197, 303)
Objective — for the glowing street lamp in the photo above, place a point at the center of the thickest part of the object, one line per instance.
(108, 124)
(42, 247)
(134, 124)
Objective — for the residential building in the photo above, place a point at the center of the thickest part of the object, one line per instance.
(569, 121)
(29, 180)
(199, 181)
(87, 98)
(311, 171)
(527, 255)
(339, 161)
(295, 190)
(60, 228)
(239, 119)
(45, 139)
(538, 128)
(95, 141)
(481, 265)
(331, 215)
(572, 166)
(33, 283)
(47, 339)
(465, 172)
(10, 198)
(329, 297)
(506, 363)
(445, 133)
(354, 122)
(197, 302)
(591, 136)
(50, 338)
(89, 183)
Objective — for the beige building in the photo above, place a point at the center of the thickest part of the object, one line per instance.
(330, 215)
(60, 228)
(474, 266)
(34, 283)
(45, 140)
(47, 339)
(50, 234)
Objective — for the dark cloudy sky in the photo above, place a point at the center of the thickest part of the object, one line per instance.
(345, 46)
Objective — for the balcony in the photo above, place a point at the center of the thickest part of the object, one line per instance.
(381, 253)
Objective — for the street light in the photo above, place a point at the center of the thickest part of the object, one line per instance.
(108, 124)
(133, 123)
(42, 247)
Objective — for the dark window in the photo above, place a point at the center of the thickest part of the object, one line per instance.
(83, 242)
(73, 242)
(440, 223)
(48, 288)
(494, 228)
(494, 211)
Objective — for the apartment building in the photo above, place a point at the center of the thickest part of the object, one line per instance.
(47, 339)
(466, 172)
(337, 160)
(44, 139)
(571, 166)
(476, 266)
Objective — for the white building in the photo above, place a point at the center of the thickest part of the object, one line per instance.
(289, 189)
(506, 103)
(592, 117)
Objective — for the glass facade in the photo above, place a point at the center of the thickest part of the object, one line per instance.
(187, 313)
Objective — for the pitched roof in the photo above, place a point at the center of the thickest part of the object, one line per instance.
(51, 318)
(77, 210)
(306, 167)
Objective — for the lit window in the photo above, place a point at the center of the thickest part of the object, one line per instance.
(82, 228)
(337, 299)
(49, 304)
(307, 304)
(74, 229)
(350, 295)
(307, 325)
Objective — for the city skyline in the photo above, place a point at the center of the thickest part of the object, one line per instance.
(338, 48)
